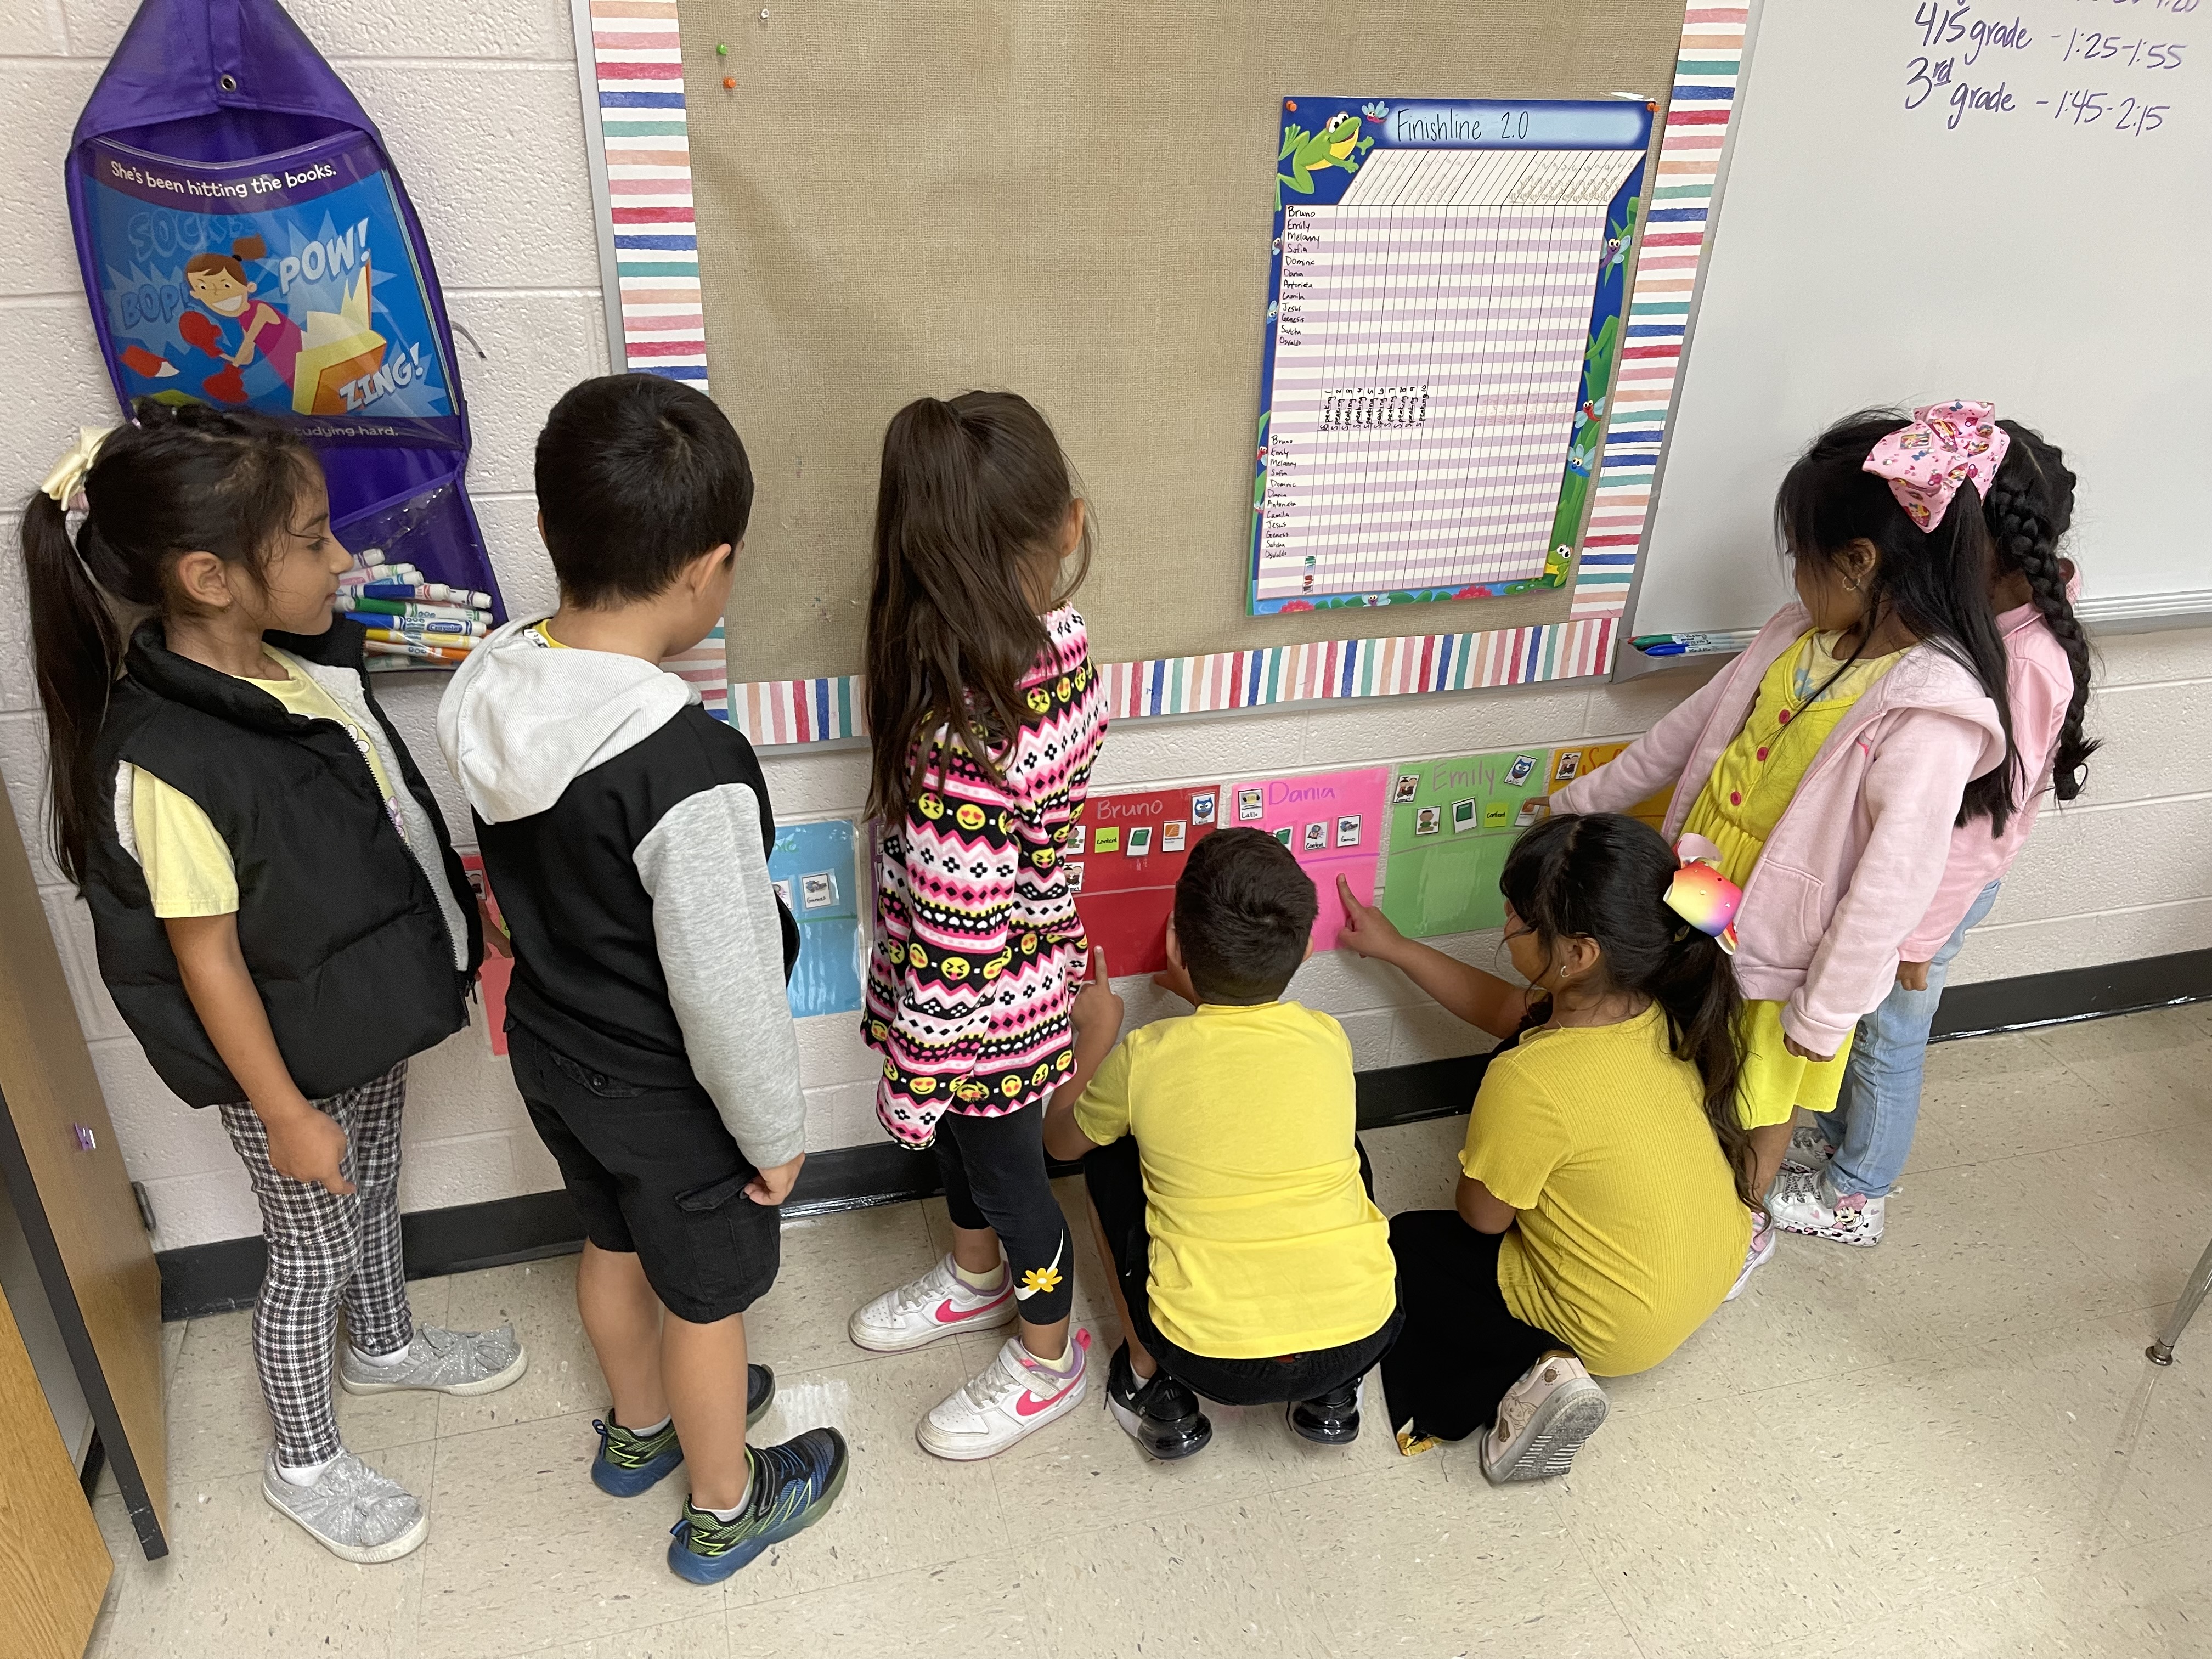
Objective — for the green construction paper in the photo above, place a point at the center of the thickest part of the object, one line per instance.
(1445, 881)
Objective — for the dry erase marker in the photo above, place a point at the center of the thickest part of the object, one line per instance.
(462, 643)
(474, 621)
(437, 632)
(423, 652)
(436, 593)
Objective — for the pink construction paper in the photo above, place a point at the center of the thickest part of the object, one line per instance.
(1326, 799)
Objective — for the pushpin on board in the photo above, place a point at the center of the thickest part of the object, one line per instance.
(729, 83)
(721, 49)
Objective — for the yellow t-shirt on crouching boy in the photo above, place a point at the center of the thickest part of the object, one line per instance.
(1630, 1231)
(1264, 1242)
(186, 863)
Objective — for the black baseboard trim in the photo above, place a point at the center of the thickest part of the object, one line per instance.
(211, 1278)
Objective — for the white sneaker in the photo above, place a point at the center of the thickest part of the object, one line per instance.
(936, 1304)
(1545, 1418)
(1009, 1399)
(1809, 1149)
(1814, 1208)
(1756, 1255)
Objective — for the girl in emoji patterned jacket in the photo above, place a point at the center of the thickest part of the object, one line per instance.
(986, 716)
(1824, 768)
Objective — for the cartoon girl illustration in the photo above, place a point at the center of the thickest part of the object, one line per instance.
(218, 282)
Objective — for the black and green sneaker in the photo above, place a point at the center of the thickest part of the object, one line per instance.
(793, 1485)
(628, 1463)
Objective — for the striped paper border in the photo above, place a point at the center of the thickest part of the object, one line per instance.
(637, 52)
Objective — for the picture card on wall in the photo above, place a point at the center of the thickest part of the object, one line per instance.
(813, 871)
(1139, 842)
(1314, 816)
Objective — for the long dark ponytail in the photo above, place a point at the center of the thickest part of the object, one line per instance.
(2029, 511)
(1936, 581)
(972, 504)
(184, 478)
(1603, 877)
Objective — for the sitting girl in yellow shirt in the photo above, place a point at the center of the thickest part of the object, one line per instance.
(1601, 1214)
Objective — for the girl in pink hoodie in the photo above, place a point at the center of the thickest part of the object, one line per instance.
(1826, 767)
(1835, 1183)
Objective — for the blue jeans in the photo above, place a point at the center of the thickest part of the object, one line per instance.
(1879, 1107)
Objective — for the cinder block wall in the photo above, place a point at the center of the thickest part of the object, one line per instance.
(480, 105)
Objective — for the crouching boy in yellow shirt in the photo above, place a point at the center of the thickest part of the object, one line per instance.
(1229, 1194)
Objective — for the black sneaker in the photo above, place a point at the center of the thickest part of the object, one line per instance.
(1161, 1414)
(627, 1464)
(792, 1487)
(760, 1393)
(1332, 1419)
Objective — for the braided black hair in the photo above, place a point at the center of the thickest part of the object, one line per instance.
(2029, 509)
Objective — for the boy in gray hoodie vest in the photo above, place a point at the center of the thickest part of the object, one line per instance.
(626, 832)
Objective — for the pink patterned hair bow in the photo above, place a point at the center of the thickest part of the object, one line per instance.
(1946, 445)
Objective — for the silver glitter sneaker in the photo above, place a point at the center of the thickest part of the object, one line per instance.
(445, 1362)
(352, 1511)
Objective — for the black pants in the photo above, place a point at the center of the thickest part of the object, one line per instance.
(1462, 1349)
(653, 1173)
(1114, 1178)
(994, 1177)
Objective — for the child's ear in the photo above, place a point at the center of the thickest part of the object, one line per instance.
(204, 580)
(1174, 945)
(542, 542)
(1308, 955)
(1077, 511)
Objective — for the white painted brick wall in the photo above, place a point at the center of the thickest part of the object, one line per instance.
(482, 115)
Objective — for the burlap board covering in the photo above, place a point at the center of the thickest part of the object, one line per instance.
(1072, 200)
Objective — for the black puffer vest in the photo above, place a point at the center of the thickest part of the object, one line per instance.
(337, 920)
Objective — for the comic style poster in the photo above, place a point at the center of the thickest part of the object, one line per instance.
(285, 284)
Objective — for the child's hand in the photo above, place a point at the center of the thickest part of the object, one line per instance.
(774, 1186)
(1793, 1046)
(1366, 931)
(305, 1146)
(494, 936)
(1096, 1015)
(1912, 976)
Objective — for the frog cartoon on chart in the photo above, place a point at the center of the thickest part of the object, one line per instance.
(1339, 144)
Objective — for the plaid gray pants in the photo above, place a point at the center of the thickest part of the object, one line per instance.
(326, 1251)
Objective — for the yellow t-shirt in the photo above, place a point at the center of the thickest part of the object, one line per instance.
(1630, 1231)
(1264, 1241)
(187, 864)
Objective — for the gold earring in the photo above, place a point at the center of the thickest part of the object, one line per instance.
(1851, 585)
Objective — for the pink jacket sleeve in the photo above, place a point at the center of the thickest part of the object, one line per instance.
(1653, 762)
(1911, 790)
(2039, 701)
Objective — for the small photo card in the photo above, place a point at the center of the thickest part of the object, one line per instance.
(783, 892)
(819, 891)
(1074, 869)
(1284, 834)
(1201, 808)
(1568, 763)
(1108, 839)
(1497, 815)
(1347, 830)
(1076, 832)
(1409, 786)
(1317, 838)
(1251, 804)
(1465, 815)
(1428, 820)
(1140, 841)
(1522, 767)
(1531, 809)
(1172, 834)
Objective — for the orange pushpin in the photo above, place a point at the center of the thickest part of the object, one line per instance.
(729, 83)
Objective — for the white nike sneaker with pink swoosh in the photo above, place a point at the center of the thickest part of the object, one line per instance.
(936, 1304)
(1011, 1398)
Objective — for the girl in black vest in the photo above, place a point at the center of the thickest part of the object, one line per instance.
(280, 917)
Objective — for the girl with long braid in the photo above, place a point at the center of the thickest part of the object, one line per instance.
(1839, 1170)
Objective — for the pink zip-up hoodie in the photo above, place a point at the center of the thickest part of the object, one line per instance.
(1860, 851)
(2039, 684)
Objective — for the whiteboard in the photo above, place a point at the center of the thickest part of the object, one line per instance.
(2050, 249)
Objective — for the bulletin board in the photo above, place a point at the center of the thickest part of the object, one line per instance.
(916, 196)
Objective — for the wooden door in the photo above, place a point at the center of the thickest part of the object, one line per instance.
(53, 1563)
(65, 1176)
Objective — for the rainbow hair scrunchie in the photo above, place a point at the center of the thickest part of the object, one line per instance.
(1701, 894)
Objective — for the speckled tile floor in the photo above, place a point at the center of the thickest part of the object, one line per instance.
(1948, 1445)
